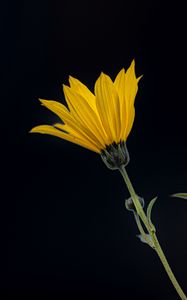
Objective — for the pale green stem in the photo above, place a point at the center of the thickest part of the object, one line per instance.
(152, 233)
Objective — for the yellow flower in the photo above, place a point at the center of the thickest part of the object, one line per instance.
(95, 121)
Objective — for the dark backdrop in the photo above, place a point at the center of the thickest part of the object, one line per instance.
(66, 231)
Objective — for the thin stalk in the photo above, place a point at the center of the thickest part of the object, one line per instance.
(152, 233)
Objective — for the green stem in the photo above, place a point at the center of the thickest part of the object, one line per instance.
(151, 231)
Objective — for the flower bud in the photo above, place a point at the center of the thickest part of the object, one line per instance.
(129, 204)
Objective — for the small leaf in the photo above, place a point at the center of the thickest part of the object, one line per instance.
(150, 206)
(149, 210)
(180, 195)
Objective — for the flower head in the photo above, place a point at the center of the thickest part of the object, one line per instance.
(95, 121)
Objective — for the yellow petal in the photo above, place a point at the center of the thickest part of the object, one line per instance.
(130, 123)
(81, 89)
(74, 132)
(119, 84)
(107, 103)
(58, 108)
(131, 87)
(127, 87)
(85, 116)
(47, 129)
(138, 79)
(65, 116)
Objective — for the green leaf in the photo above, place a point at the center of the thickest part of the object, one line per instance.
(149, 210)
(180, 195)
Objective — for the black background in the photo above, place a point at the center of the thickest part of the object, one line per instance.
(67, 233)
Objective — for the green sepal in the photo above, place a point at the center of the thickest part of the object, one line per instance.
(180, 195)
(149, 210)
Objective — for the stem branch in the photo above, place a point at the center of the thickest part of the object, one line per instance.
(152, 233)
